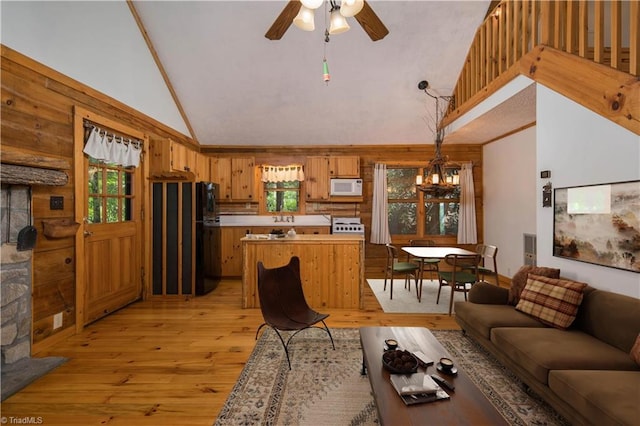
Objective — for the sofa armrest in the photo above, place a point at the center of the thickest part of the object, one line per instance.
(488, 294)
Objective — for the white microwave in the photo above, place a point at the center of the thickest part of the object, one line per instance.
(346, 187)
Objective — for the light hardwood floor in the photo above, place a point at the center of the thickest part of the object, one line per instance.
(166, 362)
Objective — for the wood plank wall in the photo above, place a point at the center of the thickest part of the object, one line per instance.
(37, 117)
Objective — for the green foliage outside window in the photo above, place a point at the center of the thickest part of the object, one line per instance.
(282, 197)
(109, 193)
(438, 215)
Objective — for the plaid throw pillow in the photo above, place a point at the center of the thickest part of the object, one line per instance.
(519, 280)
(552, 301)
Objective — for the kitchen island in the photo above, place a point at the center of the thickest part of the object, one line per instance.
(331, 267)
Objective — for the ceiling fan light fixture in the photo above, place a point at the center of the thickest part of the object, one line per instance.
(349, 8)
(304, 19)
(338, 22)
(312, 4)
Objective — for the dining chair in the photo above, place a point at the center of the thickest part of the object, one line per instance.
(394, 265)
(460, 274)
(430, 265)
(283, 305)
(488, 265)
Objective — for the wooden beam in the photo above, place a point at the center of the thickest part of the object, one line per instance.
(608, 92)
(164, 74)
(25, 175)
(21, 157)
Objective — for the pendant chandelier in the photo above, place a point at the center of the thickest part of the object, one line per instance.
(441, 177)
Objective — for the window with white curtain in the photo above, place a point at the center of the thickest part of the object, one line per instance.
(413, 213)
(282, 188)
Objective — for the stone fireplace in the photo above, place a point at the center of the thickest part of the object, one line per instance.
(15, 276)
(17, 366)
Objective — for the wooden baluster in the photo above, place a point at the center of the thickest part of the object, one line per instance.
(616, 34)
(598, 32)
(634, 36)
(583, 22)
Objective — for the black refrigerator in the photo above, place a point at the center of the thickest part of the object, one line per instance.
(207, 238)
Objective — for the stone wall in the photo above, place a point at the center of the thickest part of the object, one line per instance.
(15, 276)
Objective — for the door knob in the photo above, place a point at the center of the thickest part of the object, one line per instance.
(87, 233)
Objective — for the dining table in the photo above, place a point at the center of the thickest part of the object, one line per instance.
(432, 252)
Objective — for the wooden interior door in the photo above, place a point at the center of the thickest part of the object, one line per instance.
(112, 238)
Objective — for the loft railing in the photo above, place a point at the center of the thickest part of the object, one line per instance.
(606, 32)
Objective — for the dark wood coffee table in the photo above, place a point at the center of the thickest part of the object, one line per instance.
(466, 406)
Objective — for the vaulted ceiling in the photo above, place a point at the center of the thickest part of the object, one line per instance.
(238, 88)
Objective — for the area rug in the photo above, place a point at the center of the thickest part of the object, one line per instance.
(324, 387)
(405, 301)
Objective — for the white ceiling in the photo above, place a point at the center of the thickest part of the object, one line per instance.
(239, 88)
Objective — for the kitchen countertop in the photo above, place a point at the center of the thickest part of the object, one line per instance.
(303, 238)
(263, 220)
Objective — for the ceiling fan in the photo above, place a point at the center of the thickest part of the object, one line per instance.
(366, 17)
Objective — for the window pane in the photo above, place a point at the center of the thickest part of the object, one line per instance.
(441, 218)
(126, 209)
(95, 210)
(126, 183)
(401, 183)
(95, 180)
(282, 201)
(112, 182)
(402, 218)
(282, 196)
(112, 210)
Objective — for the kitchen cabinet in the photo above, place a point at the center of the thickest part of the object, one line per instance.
(203, 168)
(170, 156)
(344, 167)
(236, 178)
(231, 248)
(319, 170)
(332, 268)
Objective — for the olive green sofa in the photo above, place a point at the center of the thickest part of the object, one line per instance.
(585, 372)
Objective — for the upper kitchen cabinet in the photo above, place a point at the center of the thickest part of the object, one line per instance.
(236, 178)
(319, 171)
(203, 168)
(344, 167)
(170, 157)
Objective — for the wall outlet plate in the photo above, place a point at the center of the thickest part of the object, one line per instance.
(57, 320)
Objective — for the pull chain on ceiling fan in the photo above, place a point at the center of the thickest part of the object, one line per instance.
(301, 13)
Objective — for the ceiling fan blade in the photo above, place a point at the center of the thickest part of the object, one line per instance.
(371, 23)
(284, 20)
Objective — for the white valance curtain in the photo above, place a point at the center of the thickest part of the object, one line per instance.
(289, 173)
(112, 149)
(379, 214)
(467, 230)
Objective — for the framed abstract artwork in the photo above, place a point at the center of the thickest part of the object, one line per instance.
(598, 224)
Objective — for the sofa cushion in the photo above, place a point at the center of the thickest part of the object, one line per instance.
(610, 317)
(482, 318)
(553, 301)
(538, 350)
(603, 397)
(635, 351)
(519, 280)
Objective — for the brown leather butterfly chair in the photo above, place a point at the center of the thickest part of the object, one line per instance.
(283, 305)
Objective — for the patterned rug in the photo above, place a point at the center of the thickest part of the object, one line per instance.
(324, 387)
